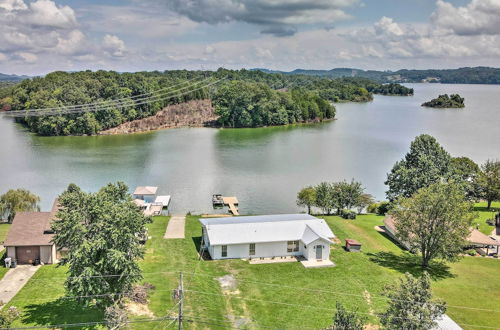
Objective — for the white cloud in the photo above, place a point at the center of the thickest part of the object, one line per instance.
(478, 17)
(10, 5)
(113, 45)
(46, 13)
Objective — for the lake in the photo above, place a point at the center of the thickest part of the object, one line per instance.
(263, 167)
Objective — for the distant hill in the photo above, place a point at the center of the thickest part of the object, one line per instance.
(476, 75)
(11, 77)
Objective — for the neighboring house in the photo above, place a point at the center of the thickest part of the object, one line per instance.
(267, 236)
(475, 239)
(390, 230)
(30, 238)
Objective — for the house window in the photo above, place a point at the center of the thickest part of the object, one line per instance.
(292, 246)
(251, 249)
(224, 251)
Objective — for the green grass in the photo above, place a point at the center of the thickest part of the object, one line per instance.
(4, 228)
(40, 301)
(282, 295)
(484, 215)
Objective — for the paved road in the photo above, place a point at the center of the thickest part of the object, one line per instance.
(14, 280)
(175, 228)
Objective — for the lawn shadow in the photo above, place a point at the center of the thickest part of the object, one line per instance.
(197, 245)
(62, 311)
(407, 262)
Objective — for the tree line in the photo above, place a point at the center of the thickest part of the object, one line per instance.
(59, 89)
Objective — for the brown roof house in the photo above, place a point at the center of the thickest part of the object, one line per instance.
(29, 239)
(475, 238)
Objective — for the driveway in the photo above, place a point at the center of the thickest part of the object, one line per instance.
(175, 227)
(14, 280)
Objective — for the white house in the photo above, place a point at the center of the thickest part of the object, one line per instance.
(267, 236)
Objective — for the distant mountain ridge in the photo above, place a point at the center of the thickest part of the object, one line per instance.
(11, 77)
(466, 75)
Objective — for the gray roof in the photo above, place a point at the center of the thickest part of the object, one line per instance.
(271, 228)
(256, 218)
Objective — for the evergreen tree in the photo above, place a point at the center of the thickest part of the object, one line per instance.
(101, 232)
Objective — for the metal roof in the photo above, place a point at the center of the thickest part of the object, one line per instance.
(256, 218)
(271, 228)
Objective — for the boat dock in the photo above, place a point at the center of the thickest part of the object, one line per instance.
(232, 203)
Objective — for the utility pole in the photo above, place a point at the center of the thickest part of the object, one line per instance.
(181, 301)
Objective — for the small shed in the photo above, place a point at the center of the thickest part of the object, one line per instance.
(352, 245)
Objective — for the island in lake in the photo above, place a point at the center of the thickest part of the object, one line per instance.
(446, 101)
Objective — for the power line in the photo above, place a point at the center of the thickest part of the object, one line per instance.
(110, 104)
(309, 306)
(264, 283)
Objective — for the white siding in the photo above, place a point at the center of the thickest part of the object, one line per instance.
(310, 253)
(264, 250)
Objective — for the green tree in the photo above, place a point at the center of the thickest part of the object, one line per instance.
(324, 199)
(101, 232)
(346, 195)
(426, 163)
(346, 320)
(411, 306)
(18, 200)
(465, 171)
(489, 181)
(306, 198)
(435, 221)
(363, 201)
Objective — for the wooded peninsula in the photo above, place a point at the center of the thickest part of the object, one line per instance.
(242, 98)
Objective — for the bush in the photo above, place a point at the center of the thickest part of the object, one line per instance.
(348, 214)
(115, 317)
(379, 208)
(7, 316)
(471, 252)
(372, 208)
(140, 293)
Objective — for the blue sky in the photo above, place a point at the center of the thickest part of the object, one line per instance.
(39, 36)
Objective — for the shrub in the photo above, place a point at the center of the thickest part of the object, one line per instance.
(471, 252)
(140, 293)
(379, 208)
(7, 316)
(348, 214)
(115, 317)
(383, 208)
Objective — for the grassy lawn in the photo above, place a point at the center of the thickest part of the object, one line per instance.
(282, 295)
(40, 301)
(4, 228)
(279, 295)
(484, 215)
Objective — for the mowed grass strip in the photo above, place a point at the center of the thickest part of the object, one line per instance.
(41, 304)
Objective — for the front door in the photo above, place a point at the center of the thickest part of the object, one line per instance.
(319, 252)
(27, 254)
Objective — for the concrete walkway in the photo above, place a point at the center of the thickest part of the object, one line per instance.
(175, 227)
(14, 280)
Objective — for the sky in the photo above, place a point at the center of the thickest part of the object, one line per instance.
(41, 36)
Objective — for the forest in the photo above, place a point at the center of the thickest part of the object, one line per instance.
(266, 99)
(467, 75)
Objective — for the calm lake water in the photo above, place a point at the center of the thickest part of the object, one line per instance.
(263, 167)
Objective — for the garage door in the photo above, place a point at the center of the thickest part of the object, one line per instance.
(27, 254)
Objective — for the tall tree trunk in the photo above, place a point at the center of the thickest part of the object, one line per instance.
(308, 209)
(489, 204)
